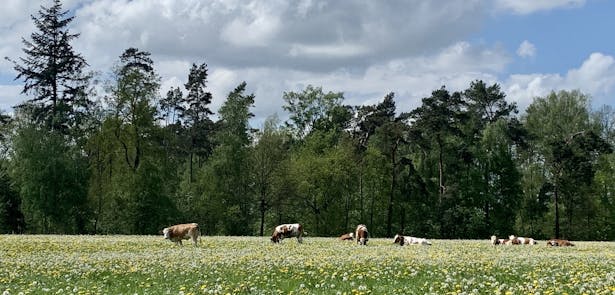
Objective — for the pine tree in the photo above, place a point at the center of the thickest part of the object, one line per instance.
(52, 71)
(133, 101)
(196, 115)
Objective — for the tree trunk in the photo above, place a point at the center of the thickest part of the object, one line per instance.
(402, 217)
(262, 209)
(441, 190)
(392, 193)
(440, 175)
(100, 176)
(487, 200)
(347, 213)
(557, 233)
(371, 212)
(191, 174)
(361, 210)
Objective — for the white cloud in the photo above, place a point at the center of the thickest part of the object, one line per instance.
(256, 26)
(255, 33)
(410, 78)
(328, 51)
(531, 6)
(17, 11)
(363, 48)
(526, 49)
(10, 95)
(595, 76)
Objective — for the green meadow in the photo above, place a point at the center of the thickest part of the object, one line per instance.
(54, 264)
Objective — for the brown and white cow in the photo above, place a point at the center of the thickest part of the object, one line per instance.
(362, 234)
(514, 240)
(179, 232)
(347, 237)
(559, 242)
(402, 241)
(290, 230)
(495, 241)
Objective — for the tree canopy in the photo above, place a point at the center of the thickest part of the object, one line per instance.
(461, 164)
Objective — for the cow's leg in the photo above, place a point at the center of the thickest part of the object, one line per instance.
(194, 240)
(299, 239)
(179, 242)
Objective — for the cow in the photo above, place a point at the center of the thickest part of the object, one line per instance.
(362, 234)
(179, 232)
(347, 237)
(559, 242)
(495, 241)
(283, 231)
(514, 240)
(402, 241)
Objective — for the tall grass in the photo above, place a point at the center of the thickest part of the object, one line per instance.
(253, 265)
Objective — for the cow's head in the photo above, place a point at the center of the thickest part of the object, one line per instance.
(275, 237)
(399, 239)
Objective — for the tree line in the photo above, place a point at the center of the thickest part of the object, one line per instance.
(116, 157)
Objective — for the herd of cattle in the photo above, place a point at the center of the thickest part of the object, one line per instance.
(514, 240)
(179, 232)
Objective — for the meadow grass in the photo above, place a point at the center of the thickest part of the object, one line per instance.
(51, 264)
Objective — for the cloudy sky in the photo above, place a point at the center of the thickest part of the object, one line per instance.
(363, 48)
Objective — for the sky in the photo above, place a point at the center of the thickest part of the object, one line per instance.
(363, 48)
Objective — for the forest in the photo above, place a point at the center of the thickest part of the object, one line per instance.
(91, 155)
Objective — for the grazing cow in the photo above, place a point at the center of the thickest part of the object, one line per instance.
(362, 234)
(495, 241)
(284, 231)
(179, 232)
(559, 242)
(347, 237)
(402, 241)
(514, 240)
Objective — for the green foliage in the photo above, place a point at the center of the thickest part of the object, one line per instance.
(501, 179)
(195, 114)
(270, 158)
(52, 180)
(310, 107)
(566, 140)
(460, 165)
(436, 127)
(324, 176)
(11, 218)
(227, 177)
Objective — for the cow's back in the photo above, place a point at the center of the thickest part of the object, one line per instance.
(179, 232)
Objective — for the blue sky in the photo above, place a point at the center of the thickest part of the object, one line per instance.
(363, 48)
(562, 36)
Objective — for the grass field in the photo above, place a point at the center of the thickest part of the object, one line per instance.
(253, 265)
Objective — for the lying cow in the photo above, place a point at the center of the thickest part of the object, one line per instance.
(284, 231)
(179, 232)
(347, 237)
(495, 241)
(402, 241)
(362, 234)
(514, 240)
(559, 242)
